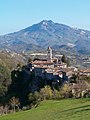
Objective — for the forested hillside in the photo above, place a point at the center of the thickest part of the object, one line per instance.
(8, 62)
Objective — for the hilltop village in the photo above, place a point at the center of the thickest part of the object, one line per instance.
(52, 68)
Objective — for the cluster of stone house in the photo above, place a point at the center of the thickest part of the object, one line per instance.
(85, 72)
(52, 68)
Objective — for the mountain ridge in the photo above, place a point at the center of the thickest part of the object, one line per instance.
(47, 33)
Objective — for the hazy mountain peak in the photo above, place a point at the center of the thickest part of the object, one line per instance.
(46, 33)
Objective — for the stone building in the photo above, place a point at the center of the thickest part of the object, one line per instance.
(51, 68)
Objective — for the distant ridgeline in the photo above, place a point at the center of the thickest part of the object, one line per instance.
(47, 33)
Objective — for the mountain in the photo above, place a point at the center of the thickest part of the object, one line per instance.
(47, 33)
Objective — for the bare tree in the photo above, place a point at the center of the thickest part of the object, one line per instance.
(14, 102)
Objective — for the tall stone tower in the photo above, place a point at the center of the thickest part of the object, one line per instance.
(49, 54)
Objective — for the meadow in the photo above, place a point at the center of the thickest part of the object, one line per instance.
(65, 109)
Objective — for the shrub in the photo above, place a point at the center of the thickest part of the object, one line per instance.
(65, 91)
(46, 92)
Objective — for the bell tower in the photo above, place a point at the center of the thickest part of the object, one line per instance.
(49, 54)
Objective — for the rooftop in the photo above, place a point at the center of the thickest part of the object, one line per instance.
(42, 62)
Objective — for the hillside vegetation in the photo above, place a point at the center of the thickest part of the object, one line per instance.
(67, 109)
(10, 59)
(8, 62)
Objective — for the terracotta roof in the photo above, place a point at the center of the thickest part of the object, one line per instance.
(66, 69)
(43, 62)
(85, 71)
(39, 66)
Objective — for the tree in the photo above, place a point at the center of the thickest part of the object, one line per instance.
(46, 92)
(80, 89)
(31, 97)
(63, 59)
(68, 62)
(34, 98)
(5, 80)
(29, 60)
(65, 91)
(14, 102)
(56, 94)
(37, 96)
(74, 78)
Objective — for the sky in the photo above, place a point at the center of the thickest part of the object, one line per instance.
(19, 14)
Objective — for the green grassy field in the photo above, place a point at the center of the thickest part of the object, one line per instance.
(67, 109)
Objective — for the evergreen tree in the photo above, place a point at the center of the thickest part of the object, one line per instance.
(63, 59)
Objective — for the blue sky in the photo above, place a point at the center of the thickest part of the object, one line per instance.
(18, 14)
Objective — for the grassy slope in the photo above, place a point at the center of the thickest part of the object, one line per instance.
(70, 109)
